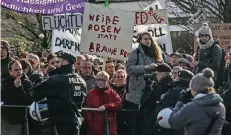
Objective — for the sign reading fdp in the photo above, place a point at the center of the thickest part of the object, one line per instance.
(151, 17)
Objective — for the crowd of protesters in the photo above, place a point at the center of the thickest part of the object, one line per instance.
(143, 85)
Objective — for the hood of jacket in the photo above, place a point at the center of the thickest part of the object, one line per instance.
(209, 102)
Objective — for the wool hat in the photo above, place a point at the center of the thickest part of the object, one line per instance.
(203, 81)
(185, 75)
(163, 67)
(205, 30)
(176, 54)
(184, 61)
(67, 56)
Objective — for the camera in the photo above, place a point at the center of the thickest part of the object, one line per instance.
(150, 77)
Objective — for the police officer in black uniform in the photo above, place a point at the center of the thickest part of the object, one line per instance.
(65, 92)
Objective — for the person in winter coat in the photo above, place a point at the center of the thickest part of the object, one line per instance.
(205, 114)
(209, 53)
(5, 58)
(141, 61)
(105, 99)
(65, 92)
(88, 74)
(14, 92)
(170, 98)
(119, 86)
(151, 97)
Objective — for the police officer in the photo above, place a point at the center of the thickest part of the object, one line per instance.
(65, 92)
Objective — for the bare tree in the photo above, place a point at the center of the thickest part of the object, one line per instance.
(215, 8)
(28, 26)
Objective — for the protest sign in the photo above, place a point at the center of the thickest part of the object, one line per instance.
(219, 31)
(159, 33)
(151, 17)
(107, 32)
(44, 6)
(66, 40)
(68, 21)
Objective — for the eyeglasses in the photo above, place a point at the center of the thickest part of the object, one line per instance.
(100, 79)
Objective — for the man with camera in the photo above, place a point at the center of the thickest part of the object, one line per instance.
(151, 97)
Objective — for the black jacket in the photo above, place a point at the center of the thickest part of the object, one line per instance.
(210, 57)
(4, 67)
(15, 96)
(35, 77)
(150, 97)
(65, 92)
(173, 94)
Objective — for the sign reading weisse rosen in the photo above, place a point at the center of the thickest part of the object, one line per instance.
(219, 31)
(151, 17)
(107, 32)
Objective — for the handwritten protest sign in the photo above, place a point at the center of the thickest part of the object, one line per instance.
(68, 21)
(159, 33)
(66, 40)
(44, 6)
(107, 32)
(151, 17)
(219, 31)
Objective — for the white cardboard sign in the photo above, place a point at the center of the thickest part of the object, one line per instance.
(160, 33)
(151, 17)
(107, 32)
(66, 40)
(64, 21)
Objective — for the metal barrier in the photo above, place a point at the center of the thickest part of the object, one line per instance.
(26, 128)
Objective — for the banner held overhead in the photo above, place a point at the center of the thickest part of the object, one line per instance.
(68, 21)
(45, 6)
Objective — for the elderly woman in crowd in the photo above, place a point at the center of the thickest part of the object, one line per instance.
(105, 99)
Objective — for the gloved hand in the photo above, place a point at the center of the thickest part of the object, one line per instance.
(185, 96)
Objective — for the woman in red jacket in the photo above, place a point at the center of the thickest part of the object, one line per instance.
(103, 98)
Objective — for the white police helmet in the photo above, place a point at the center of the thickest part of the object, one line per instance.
(39, 110)
(163, 117)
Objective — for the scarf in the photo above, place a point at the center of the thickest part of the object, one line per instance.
(206, 45)
(149, 51)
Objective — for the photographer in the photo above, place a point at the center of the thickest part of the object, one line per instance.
(205, 115)
(151, 96)
(169, 99)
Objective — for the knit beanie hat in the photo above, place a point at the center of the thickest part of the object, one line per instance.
(184, 61)
(185, 75)
(203, 81)
(163, 68)
(205, 30)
